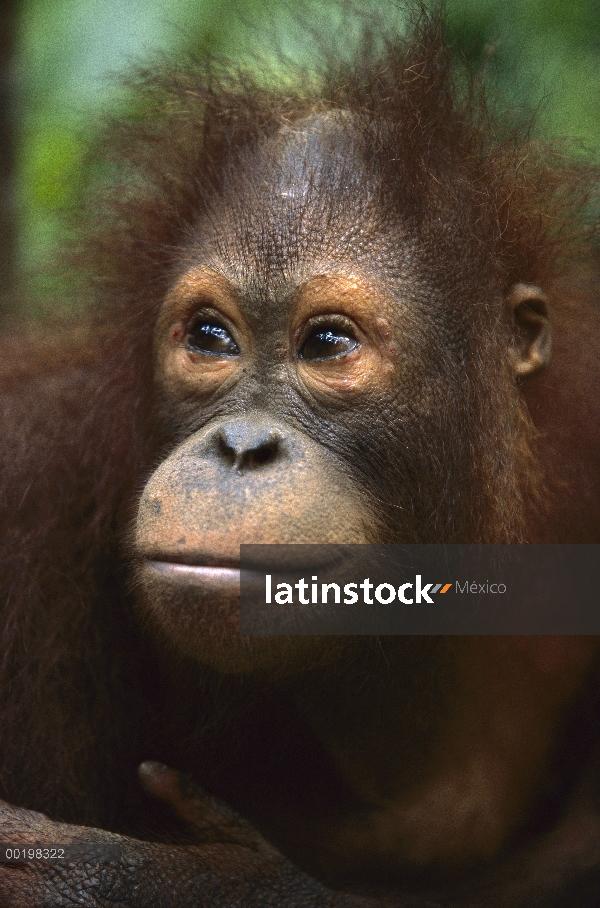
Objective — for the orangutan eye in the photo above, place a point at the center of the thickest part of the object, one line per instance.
(327, 342)
(209, 337)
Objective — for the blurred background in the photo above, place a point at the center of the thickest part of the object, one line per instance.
(60, 59)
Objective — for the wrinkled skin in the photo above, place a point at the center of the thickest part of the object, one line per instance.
(323, 363)
(234, 865)
(214, 873)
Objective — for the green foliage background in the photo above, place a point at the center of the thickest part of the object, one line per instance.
(538, 54)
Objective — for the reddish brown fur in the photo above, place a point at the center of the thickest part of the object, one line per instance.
(72, 457)
(77, 413)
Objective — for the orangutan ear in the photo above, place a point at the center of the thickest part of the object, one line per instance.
(530, 349)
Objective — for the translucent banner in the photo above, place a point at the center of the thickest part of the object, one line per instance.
(420, 589)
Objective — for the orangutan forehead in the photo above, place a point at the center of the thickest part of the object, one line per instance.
(273, 221)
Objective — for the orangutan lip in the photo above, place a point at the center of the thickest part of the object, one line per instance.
(194, 559)
(204, 567)
(197, 573)
(216, 576)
